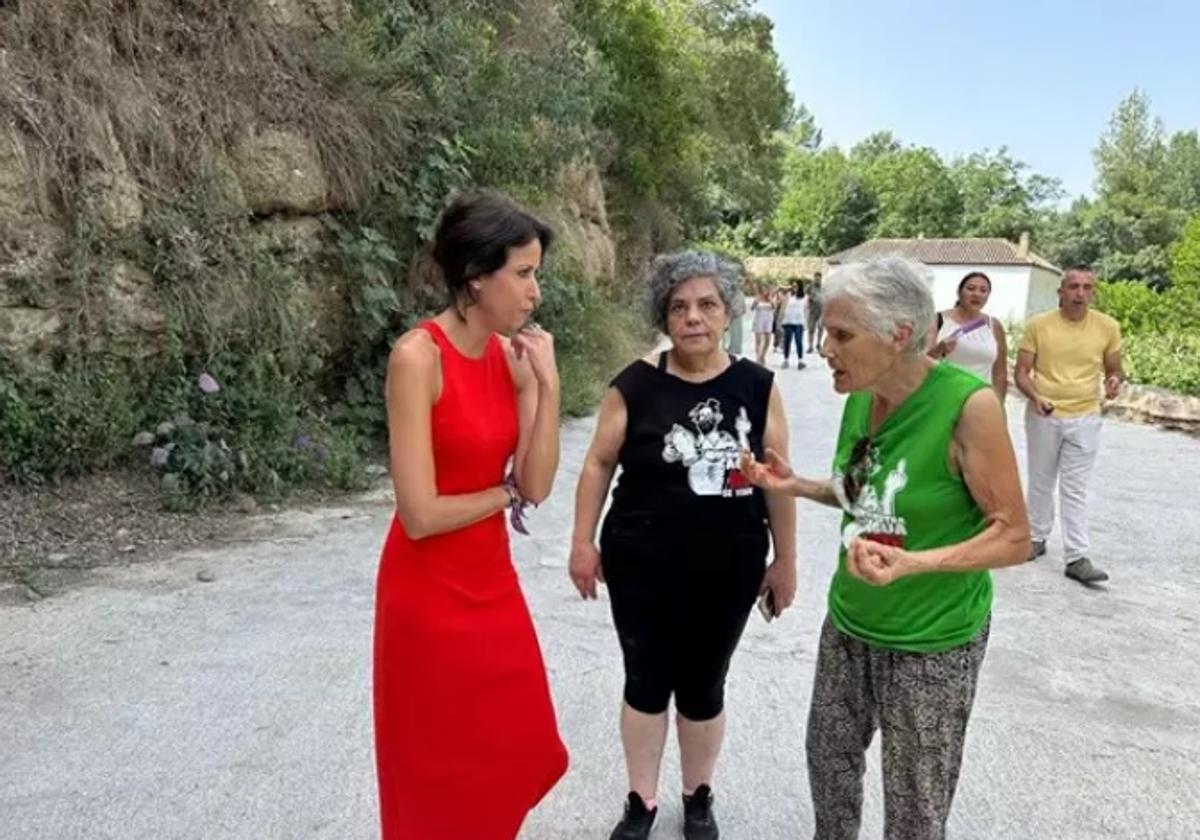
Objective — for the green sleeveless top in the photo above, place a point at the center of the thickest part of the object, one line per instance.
(910, 498)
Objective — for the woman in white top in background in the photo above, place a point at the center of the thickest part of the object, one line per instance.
(762, 322)
(792, 321)
(972, 340)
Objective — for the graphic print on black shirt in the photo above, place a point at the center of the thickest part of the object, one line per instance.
(710, 454)
(679, 462)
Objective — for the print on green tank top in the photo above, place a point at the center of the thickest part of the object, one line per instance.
(912, 499)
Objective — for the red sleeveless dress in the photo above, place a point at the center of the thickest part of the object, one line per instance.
(465, 734)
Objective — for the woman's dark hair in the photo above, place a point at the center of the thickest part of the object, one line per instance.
(475, 233)
(970, 276)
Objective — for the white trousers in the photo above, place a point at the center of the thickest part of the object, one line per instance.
(1062, 451)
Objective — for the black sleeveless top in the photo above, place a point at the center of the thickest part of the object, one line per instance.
(683, 443)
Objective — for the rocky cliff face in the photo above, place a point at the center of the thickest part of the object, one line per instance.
(275, 176)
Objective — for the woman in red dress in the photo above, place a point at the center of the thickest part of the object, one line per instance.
(465, 733)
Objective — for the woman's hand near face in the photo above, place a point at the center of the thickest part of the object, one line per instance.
(538, 345)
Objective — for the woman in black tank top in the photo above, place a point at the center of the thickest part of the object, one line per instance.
(684, 545)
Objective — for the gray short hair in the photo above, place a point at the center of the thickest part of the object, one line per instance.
(890, 292)
(668, 271)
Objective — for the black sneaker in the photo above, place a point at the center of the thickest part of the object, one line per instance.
(1083, 571)
(1039, 548)
(698, 821)
(637, 822)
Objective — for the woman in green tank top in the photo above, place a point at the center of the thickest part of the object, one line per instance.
(925, 474)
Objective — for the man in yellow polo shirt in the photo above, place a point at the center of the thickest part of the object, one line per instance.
(1062, 358)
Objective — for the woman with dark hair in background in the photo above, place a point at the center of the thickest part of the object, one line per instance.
(971, 340)
(465, 732)
(792, 321)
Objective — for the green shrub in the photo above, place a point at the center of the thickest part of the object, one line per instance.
(246, 425)
(1162, 329)
(67, 422)
(1135, 305)
(594, 335)
(1168, 361)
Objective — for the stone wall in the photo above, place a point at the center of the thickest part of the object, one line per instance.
(1157, 406)
(31, 273)
(273, 176)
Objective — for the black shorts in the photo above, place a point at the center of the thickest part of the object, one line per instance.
(680, 604)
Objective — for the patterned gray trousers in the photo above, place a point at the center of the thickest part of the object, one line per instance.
(921, 702)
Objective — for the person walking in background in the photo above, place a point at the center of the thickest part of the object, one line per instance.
(734, 342)
(779, 298)
(1061, 359)
(684, 545)
(794, 315)
(927, 479)
(465, 733)
(762, 323)
(973, 341)
(813, 306)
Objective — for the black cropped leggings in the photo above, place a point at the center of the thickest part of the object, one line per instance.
(680, 606)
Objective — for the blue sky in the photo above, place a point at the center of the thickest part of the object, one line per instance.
(1041, 78)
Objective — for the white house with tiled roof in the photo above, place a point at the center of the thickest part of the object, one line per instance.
(1023, 283)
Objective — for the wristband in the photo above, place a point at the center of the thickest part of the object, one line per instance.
(517, 504)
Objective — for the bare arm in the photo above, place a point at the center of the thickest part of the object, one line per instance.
(781, 511)
(594, 479)
(776, 476)
(819, 490)
(413, 384)
(598, 466)
(1025, 361)
(536, 460)
(1000, 368)
(1114, 373)
(983, 451)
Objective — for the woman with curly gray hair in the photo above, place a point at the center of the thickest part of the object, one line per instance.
(683, 549)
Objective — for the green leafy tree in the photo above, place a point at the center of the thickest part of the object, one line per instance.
(697, 98)
(999, 197)
(745, 104)
(826, 206)
(802, 131)
(1131, 154)
(875, 146)
(1127, 231)
(1182, 172)
(915, 194)
(1185, 278)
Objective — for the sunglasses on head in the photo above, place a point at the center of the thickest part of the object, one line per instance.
(858, 469)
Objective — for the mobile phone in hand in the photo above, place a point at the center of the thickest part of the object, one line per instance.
(766, 606)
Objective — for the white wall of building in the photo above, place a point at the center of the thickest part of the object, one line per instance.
(1043, 290)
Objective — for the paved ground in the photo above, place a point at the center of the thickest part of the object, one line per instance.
(150, 705)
